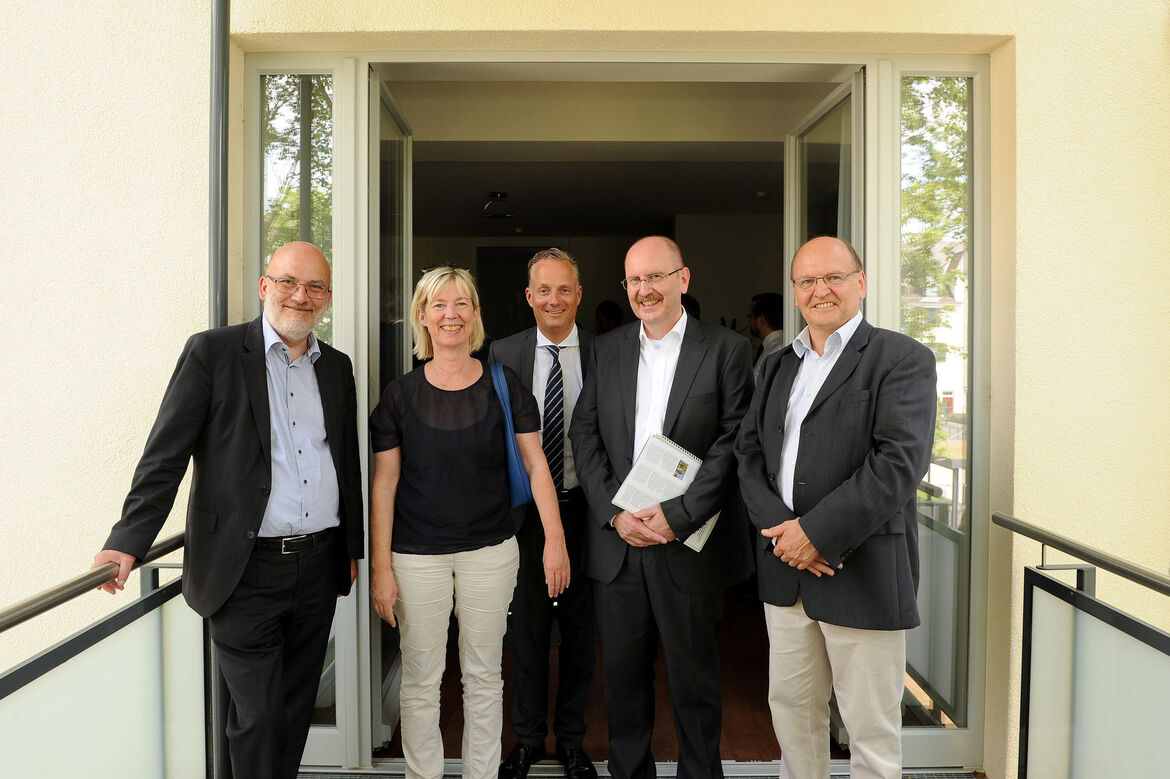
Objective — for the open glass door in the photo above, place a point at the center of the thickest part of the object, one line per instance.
(390, 341)
(823, 175)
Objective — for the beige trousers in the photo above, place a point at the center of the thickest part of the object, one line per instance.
(807, 661)
(481, 582)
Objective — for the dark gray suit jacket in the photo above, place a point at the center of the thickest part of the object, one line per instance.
(864, 446)
(215, 412)
(518, 352)
(712, 385)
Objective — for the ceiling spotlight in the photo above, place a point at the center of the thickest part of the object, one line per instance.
(497, 206)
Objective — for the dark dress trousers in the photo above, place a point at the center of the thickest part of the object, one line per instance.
(667, 591)
(532, 611)
(864, 446)
(269, 613)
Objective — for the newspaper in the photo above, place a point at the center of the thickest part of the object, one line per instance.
(663, 470)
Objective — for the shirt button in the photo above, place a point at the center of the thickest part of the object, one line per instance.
(292, 394)
(306, 481)
(294, 424)
(306, 513)
(299, 452)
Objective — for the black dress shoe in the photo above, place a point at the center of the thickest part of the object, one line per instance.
(516, 764)
(577, 764)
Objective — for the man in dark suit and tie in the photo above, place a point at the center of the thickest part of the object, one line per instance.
(672, 375)
(830, 454)
(550, 359)
(268, 415)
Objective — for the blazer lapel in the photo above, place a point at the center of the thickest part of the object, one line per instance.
(256, 382)
(843, 369)
(690, 356)
(528, 358)
(628, 371)
(332, 402)
(586, 345)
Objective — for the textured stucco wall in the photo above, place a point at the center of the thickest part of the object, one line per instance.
(105, 210)
(105, 259)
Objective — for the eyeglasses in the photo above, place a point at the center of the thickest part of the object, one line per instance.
(287, 286)
(425, 271)
(831, 280)
(653, 279)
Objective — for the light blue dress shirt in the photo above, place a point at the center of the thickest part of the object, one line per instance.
(304, 495)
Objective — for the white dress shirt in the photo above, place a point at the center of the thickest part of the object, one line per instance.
(570, 359)
(814, 369)
(657, 361)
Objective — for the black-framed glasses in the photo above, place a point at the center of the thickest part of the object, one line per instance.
(806, 283)
(653, 279)
(287, 286)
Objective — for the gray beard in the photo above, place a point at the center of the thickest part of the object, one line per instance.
(285, 325)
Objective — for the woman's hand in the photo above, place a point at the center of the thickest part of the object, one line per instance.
(384, 594)
(556, 565)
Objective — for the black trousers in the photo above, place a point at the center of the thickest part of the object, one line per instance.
(270, 638)
(638, 607)
(530, 624)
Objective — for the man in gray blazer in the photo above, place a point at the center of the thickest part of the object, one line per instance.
(668, 374)
(268, 415)
(554, 293)
(830, 453)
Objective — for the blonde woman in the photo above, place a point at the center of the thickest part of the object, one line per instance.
(440, 523)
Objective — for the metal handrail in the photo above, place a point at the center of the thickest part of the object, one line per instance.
(68, 590)
(1124, 568)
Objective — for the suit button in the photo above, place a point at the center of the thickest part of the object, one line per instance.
(771, 477)
(780, 429)
(801, 484)
(251, 534)
(264, 490)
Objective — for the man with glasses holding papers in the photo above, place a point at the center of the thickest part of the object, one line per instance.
(666, 374)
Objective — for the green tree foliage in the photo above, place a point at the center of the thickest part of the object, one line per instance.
(936, 197)
(287, 155)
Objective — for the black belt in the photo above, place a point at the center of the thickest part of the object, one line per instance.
(293, 544)
(564, 496)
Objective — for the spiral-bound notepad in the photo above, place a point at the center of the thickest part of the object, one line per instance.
(663, 470)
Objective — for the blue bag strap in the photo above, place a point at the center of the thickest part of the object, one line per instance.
(502, 393)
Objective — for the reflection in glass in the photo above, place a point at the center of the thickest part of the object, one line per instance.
(297, 171)
(935, 270)
(826, 175)
(392, 352)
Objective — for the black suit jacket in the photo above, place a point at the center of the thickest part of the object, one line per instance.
(709, 395)
(215, 412)
(864, 446)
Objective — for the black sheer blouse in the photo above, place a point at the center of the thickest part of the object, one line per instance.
(453, 488)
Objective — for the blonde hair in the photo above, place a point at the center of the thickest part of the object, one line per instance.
(433, 281)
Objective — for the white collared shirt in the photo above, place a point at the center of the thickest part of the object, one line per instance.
(570, 359)
(304, 496)
(814, 369)
(657, 361)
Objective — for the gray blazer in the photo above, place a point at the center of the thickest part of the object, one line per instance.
(864, 446)
(712, 385)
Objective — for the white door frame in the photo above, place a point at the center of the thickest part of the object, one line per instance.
(924, 747)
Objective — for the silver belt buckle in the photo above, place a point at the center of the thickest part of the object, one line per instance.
(286, 539)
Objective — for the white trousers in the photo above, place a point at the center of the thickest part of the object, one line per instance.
(807, 660)
(481, 582)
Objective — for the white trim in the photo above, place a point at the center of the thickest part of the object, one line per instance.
(880, 237)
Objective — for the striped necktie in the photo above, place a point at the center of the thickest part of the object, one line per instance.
(554, 420)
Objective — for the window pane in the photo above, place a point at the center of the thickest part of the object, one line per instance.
(935, 266)
(297, 170)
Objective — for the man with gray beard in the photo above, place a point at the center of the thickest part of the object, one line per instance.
(268, 415)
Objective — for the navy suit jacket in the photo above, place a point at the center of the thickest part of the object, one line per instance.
(215, 413)
(864, 446)
(709, 395)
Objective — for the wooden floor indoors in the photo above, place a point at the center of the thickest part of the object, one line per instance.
(747, 724)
